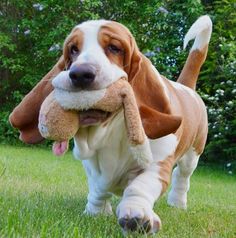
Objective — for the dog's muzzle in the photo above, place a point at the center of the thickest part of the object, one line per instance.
(82, 76)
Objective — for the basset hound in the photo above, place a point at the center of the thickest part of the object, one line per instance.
(97, 53)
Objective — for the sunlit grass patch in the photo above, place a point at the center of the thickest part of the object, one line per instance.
(44, 196)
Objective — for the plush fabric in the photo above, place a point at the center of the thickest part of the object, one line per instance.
(59, 123)
(56, 123)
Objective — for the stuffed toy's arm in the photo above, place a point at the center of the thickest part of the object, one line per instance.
(133, 121)
(139, 143)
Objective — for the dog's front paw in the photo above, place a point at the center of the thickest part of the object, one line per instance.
(93, 210)
(177, 200)
(133, 217)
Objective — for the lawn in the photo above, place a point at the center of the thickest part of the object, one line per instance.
(44, 196)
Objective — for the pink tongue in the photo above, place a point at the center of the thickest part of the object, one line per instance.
(59, 148)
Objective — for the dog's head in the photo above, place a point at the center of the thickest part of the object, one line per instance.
(95, 54)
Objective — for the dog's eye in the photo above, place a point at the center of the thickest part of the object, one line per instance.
(74, 50)
(114, 49)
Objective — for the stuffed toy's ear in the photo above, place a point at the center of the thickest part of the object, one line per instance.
(25, 116)
(151, 97)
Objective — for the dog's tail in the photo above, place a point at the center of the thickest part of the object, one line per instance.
(201, 32)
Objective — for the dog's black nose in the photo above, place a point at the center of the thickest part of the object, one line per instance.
(82, 76)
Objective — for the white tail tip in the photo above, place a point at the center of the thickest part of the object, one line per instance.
(200, 31)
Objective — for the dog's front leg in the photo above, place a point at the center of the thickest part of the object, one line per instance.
(98, 199)
(98, 203)
(135, 211)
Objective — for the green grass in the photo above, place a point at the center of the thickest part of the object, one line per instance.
(44, 196)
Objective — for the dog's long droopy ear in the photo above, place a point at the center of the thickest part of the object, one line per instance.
(25, 116)
(152, 117)
(151, 96)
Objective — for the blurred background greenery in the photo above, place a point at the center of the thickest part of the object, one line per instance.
(32, 34)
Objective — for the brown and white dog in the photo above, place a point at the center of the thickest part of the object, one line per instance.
(174, 118)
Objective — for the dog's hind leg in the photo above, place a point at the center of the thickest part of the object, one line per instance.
(180, 183)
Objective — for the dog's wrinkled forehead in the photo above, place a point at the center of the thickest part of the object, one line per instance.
(98, 37)
(90, 44)
(89, 32)
(93, 28)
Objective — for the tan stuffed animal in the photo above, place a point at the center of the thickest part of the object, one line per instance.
(61, 122)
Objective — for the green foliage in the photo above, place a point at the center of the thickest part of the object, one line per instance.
(217, 83)
(32, 34)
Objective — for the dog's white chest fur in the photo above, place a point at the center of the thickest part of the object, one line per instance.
(106, 155)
